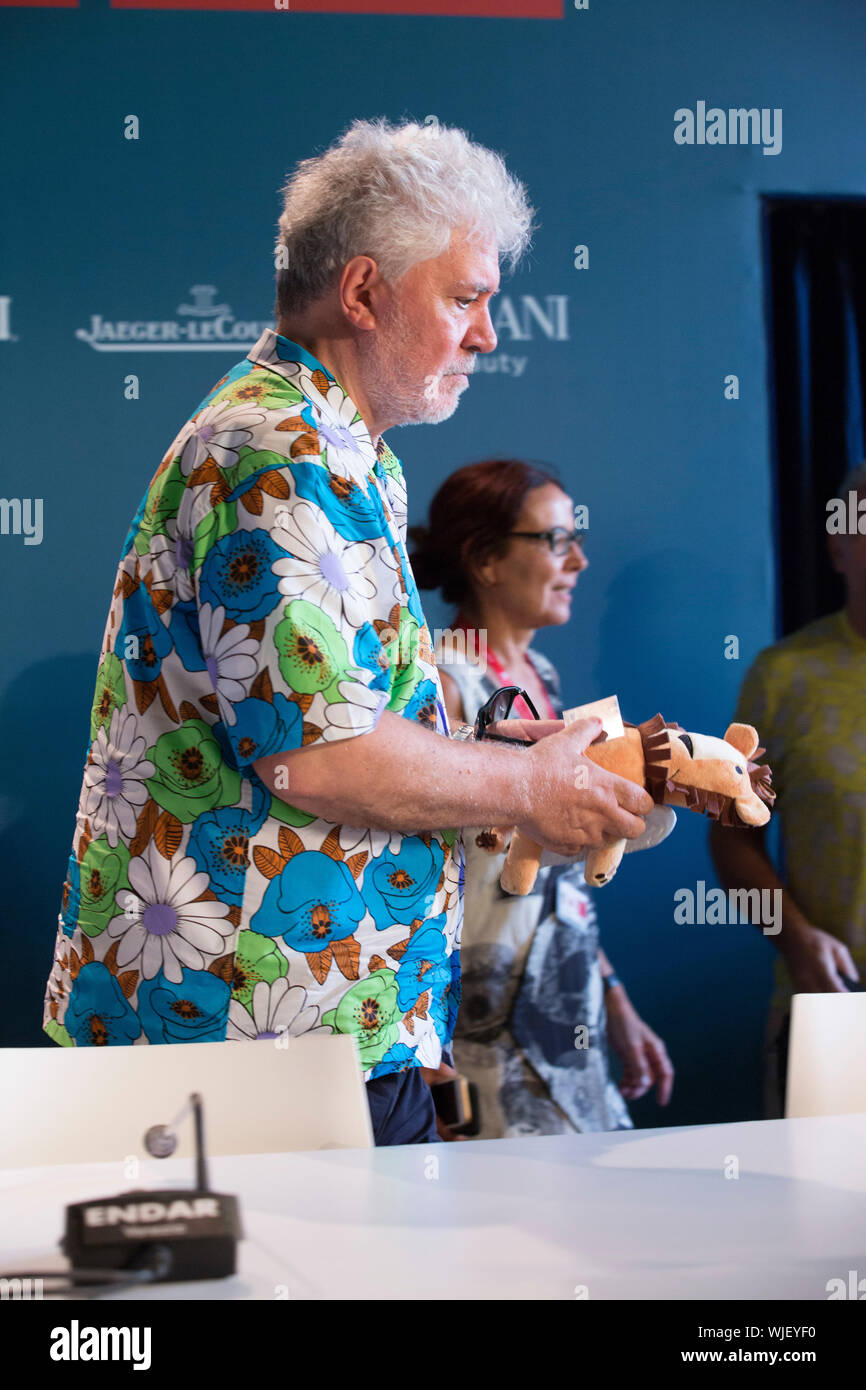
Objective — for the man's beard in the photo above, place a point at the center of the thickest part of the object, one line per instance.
(394, 391)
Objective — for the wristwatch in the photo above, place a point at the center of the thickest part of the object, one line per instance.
(463, 731)
(610, 981)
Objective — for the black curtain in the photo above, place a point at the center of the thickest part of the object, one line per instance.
(815, 258)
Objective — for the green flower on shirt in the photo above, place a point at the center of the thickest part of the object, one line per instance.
(220, 521)
(163, 501)
(312, 654)
(58, 1033)
(256, 958)
(369, 1010)
(191, 777)
(103, 873)
(260, 387)
(110, 693)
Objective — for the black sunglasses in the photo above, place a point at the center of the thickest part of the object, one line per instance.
(499, 707)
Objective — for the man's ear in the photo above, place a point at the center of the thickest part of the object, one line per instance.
(359, 290)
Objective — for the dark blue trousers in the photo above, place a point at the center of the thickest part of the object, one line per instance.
(401, 1108)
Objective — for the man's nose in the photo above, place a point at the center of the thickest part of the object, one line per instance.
(482, 335)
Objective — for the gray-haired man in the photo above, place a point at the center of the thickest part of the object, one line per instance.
(260, 845)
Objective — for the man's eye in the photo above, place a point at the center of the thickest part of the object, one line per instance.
(466, 301)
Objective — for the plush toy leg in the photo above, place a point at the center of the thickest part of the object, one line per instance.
(520, 869)
(602, 864)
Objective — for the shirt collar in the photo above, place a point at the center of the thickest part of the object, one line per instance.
(349, 448)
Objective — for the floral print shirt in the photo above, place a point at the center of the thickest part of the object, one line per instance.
(264, 601)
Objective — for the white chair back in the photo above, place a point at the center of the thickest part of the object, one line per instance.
(826, 1055)
(94, 1104)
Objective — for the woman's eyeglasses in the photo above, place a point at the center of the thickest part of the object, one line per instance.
(559, 540)
(499, 707)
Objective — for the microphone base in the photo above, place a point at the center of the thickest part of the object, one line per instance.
(200, 1229)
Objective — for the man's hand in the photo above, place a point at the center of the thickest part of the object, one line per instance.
(816, 961)
(576, 803)
(644, 1058)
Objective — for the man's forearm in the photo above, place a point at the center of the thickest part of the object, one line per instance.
(402, 776)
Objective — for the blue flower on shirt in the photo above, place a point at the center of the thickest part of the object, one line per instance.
(424, 964)
(422, 705)
(397, 1058)
(237, 575)
(98, 1012)
(400, 887)
(312, 902)
(142, 638)
(262, 727)
(345, 504)
(135, 525)
(219, 843)
(413, 598)
(369, 653)
(196, 1010)
(184, 631)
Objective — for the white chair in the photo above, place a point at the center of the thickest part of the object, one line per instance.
(826, 1055)
(94, 1104)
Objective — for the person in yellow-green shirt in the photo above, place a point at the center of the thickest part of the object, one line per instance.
(806, 695)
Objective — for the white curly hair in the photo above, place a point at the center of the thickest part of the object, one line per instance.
(394, 192)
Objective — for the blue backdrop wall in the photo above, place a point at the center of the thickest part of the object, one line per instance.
(621, 375)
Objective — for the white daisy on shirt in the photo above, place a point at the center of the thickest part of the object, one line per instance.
(322, 566)
(166, 925)
(217, 432)
(278, 1009)
(229, 659)
(114, 788)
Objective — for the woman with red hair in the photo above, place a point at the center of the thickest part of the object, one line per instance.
(540, 999)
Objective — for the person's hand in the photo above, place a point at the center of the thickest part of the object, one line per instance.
(575, 803)
(644, 1058)
(816, 961)
(530, 729)
(433, 1075)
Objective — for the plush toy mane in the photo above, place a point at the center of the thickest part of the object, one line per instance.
(656, 740)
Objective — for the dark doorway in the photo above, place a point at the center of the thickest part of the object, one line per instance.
(815, 276)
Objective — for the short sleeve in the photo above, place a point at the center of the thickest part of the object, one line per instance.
(293, 592)
(759, 705)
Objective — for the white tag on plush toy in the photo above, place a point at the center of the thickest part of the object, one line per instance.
(607, 710)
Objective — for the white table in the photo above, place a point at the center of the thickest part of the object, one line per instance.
(634, 1215)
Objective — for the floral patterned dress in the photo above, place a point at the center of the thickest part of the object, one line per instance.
(264, 601)
(531, 1032)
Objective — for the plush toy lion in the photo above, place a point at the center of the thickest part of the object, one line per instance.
(720, 777)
